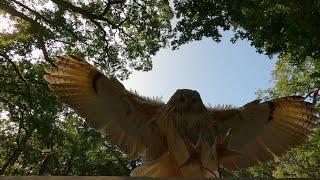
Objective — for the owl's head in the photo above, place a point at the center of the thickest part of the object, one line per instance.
(186, 100)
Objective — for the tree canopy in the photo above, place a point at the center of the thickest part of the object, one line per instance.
(39, 136)
(299, 80)
(114, 35)
(273, 27)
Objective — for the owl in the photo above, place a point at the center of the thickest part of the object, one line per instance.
(182, 137)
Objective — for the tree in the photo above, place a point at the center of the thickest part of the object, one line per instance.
(39, 135)
(302, 161)
(304, 80)
(113, 34)
(273, 27)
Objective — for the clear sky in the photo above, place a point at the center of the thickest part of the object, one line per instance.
(222, 73)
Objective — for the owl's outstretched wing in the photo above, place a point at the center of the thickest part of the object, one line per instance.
(261, 131)
(107, 106)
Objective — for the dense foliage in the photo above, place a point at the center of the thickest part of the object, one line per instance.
(40, 136)
(300, 80)
(272, 27)
(113, 34)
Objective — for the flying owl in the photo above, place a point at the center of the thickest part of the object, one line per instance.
(182, 137)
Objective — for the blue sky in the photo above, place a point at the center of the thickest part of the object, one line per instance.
(222, 73)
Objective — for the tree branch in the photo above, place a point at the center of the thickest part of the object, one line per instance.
(314, 94)
(16, 69)
(44, 164)
(10, 107)
(104, 36)
(43, 48)
(13, 158)
(109, 4)
(38, 15)
(89, 15)
(16, 153)
(6, 57)
(33, 23)
(67, 167)
(14, 12)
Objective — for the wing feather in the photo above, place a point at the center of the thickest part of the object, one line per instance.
(107, 106)
(262, 131)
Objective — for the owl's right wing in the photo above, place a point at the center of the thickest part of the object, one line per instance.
(107, 106)
(261, 131)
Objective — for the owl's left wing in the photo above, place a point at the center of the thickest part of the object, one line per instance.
(107, 106)
(260, 131)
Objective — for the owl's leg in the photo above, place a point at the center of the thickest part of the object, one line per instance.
(165, 166)
(193, 156)
(194, 151)
(195, 168)
(209, 160)
(202, 161)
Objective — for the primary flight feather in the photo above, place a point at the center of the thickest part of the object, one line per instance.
(181, 137)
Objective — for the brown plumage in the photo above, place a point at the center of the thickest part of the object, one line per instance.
(181, 137)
